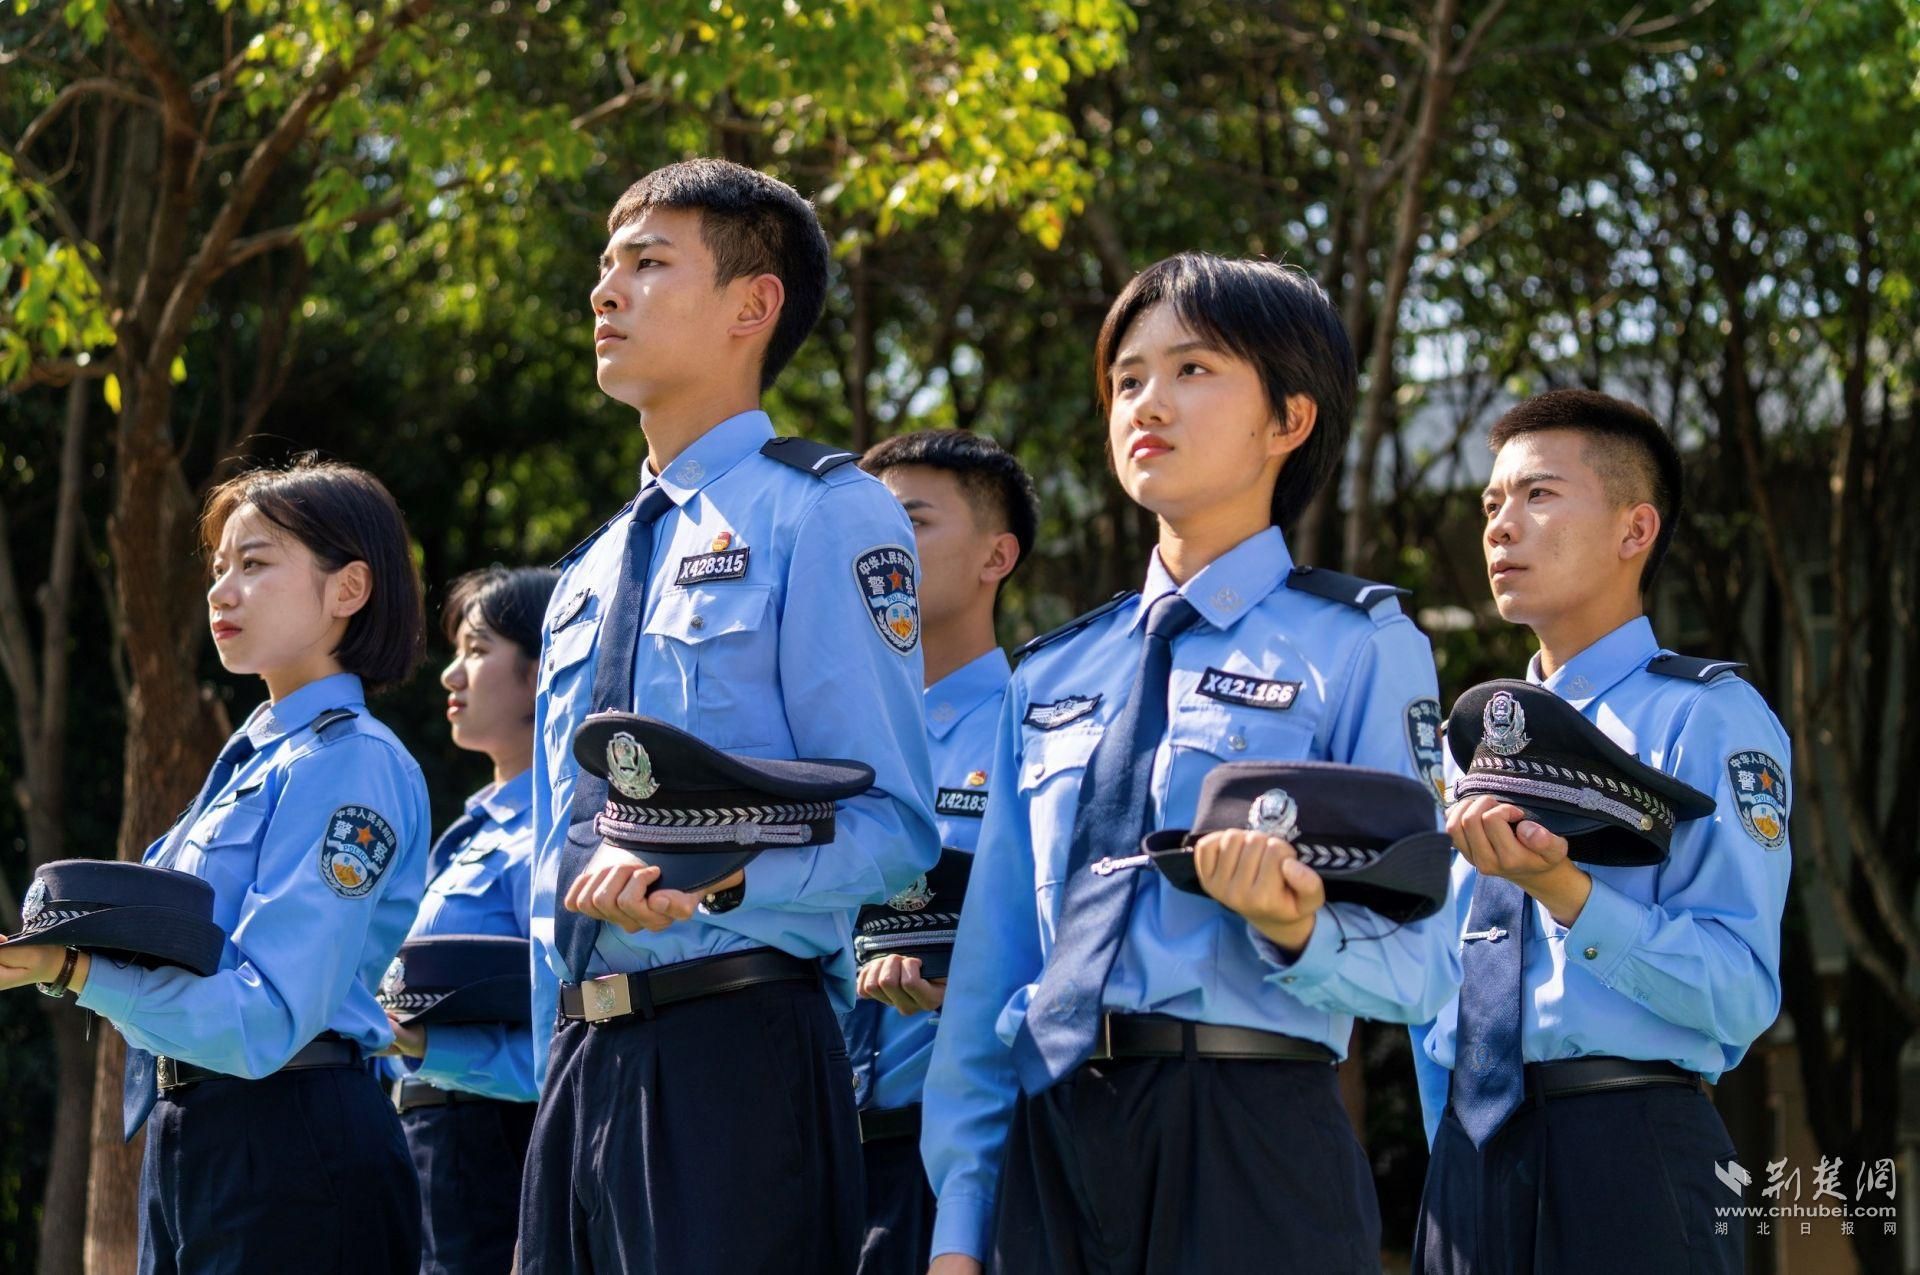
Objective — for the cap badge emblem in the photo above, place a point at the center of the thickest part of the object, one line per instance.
(34, 904)
(394, 981)
(914, 897)
(1504, 726)
(1275, 813)
(629, 769)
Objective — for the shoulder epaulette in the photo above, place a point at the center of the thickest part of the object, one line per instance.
(331, 718)
(1076, 624)
(1690, 668)
(806, 455)
(565, 559)
(1337, 586)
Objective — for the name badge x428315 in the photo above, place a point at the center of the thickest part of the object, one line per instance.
(704, 568)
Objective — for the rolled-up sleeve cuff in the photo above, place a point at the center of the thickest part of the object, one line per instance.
(111, 989)
(449, 1056)
(774, 881)
(1311, 969)
(1603, 936)
(960, 1225)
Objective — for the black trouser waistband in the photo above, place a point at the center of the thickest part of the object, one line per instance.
(1569, 1076)
(410, 1094)
(324, 1051)
(890, 1122)
(621, 996)
(1164, 1036)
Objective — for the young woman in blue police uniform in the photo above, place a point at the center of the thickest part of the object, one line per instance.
(270, 1144)
(465, 1091)
(761, 594)
(1661, 969)
(974, 513)
(1228, 386)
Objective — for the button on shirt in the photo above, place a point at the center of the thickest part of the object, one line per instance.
(1356, 677)
(963, 716)
(785, 659)
(1677, 963)
(484, 890)
(305, 948)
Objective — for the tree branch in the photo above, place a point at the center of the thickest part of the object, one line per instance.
(141, 41)
(72, 93)
(244, 250)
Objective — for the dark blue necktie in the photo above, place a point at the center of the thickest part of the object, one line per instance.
(137, 1091)
(573, 934)
(1064, 1015)
(1489, 1072)
(454, 840)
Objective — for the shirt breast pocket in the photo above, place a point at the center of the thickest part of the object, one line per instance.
(1231, 732)
(1053, 768)
(719, 644)
(470, 877)
(566, 675)
(223, 847)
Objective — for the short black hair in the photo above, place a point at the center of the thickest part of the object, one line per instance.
(510, 601)
(1275, 317)
(342, 514)
(1625, 445)
(753, 224)
(994, 482)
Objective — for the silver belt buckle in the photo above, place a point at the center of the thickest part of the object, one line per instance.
(163, 1074)
(1103, 1046)
(606, 997)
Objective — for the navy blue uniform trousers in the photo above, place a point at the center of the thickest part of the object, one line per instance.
(899, 1208)
(1601, 1182)
(1186, 1168)
(299, 1173)
(718, 1136)
(468, 1157)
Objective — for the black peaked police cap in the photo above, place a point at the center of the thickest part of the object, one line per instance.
(920, 920)
(697, 813)
(460, 978)
(1370, 834)
(151, 916)
(1524, 744)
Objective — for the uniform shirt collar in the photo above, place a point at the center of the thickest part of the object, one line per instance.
(504, 802)
(1597, 669)
(713, 454)
(271, 721)
(1226, 588)
(965, 689)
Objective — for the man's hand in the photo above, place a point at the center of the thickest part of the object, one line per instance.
(618, 888)
(1499, 840)
(408, 1042)
(1262, 879)
(895, 980)
(954, 1264)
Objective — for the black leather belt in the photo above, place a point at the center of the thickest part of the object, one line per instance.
(411, 1095)
(326, 1051)
(1570, 1076)
(618, 996)
(1163, 1036)
(890, 1122)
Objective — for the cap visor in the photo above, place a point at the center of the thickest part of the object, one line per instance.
(691, 873)
(1597, 841)
(149, 935)
(506, 999)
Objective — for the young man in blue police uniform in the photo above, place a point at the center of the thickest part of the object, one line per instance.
(1641, 976)
(1127, 1076)
(762, 595)
(974, 514)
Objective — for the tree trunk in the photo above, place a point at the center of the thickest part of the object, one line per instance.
(63, 1209)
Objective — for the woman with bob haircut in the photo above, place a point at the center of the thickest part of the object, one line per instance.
(1128, 1076)
(271, 1145)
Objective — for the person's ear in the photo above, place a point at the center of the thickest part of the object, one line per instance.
(352, 589)
(761, 299)
(1002, 557)
(1290, 433)
(1642, 528)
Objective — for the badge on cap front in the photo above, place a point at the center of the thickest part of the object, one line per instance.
(629, 769)
(394, 981)
(34, 904)
(914, 897)
(1504, 726)
(1275, 813)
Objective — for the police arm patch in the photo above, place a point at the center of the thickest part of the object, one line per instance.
(1424, 728)
(889, 580)
(356, 852)
(1760, 793)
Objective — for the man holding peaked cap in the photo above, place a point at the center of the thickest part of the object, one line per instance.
(1621, 818)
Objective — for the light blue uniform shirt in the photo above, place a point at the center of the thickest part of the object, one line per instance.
(484, 890)
(787, 660)
(1677, 963)
(963, 716)
(306, 946)
(1363, 680)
